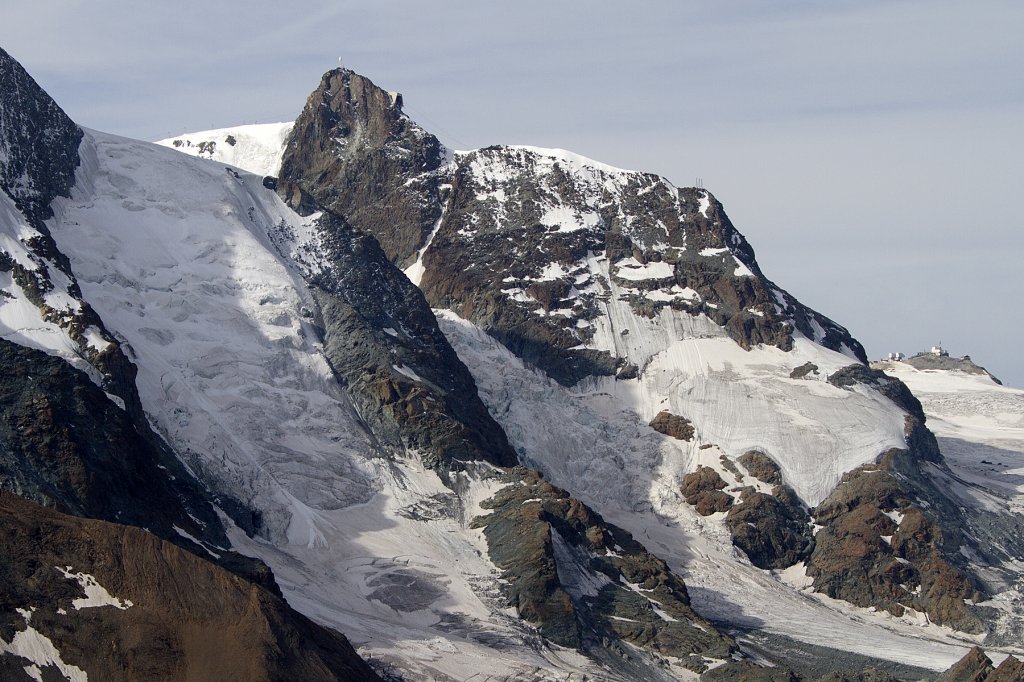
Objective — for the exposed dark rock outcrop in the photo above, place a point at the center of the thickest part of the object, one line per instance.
(746, 671)
(772, 530)
(583, 581)
(65, 444)
(868, 675)
(38, 143)
(803, 370)
(975, 666)
(704, 489)
(402, 374)
(673, 425)
(177, 617)
(948, 363)
(761, 466)
(355, 152)
(1010, 670)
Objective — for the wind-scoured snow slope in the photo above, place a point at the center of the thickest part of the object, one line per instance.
(199, 269)
(257, 148)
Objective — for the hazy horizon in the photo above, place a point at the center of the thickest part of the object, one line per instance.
(869, 151)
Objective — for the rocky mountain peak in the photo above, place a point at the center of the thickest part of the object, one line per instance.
(353, 151)
(356, 100)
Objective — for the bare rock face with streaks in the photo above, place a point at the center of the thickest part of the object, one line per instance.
(353, 151)
(156, 611)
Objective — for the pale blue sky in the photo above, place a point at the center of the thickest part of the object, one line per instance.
(870, 151)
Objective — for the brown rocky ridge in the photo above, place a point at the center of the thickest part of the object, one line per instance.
(89, 598)
(975, 666)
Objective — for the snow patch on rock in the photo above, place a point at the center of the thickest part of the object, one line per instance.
(95, 594)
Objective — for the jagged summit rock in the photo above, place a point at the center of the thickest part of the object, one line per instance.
(355, 151)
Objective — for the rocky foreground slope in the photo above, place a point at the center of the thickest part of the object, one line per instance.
(580, 435)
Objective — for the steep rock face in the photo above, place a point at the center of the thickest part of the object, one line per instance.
(383, 341)
(157, 612)
(355, 152)
(773, 530)
(38, 143)
(584, 581)
(64, 443)
(38, 160)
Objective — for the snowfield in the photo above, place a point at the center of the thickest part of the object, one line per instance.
(256, 148)
(979, 425)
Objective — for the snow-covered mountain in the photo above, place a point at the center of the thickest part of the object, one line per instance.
(507, 412)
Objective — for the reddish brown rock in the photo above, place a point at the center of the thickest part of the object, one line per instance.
(703, 489)
(188, 619)
(673, 425)
(862, 556)
(975, 666)
(1010, 670)
(761, 466)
